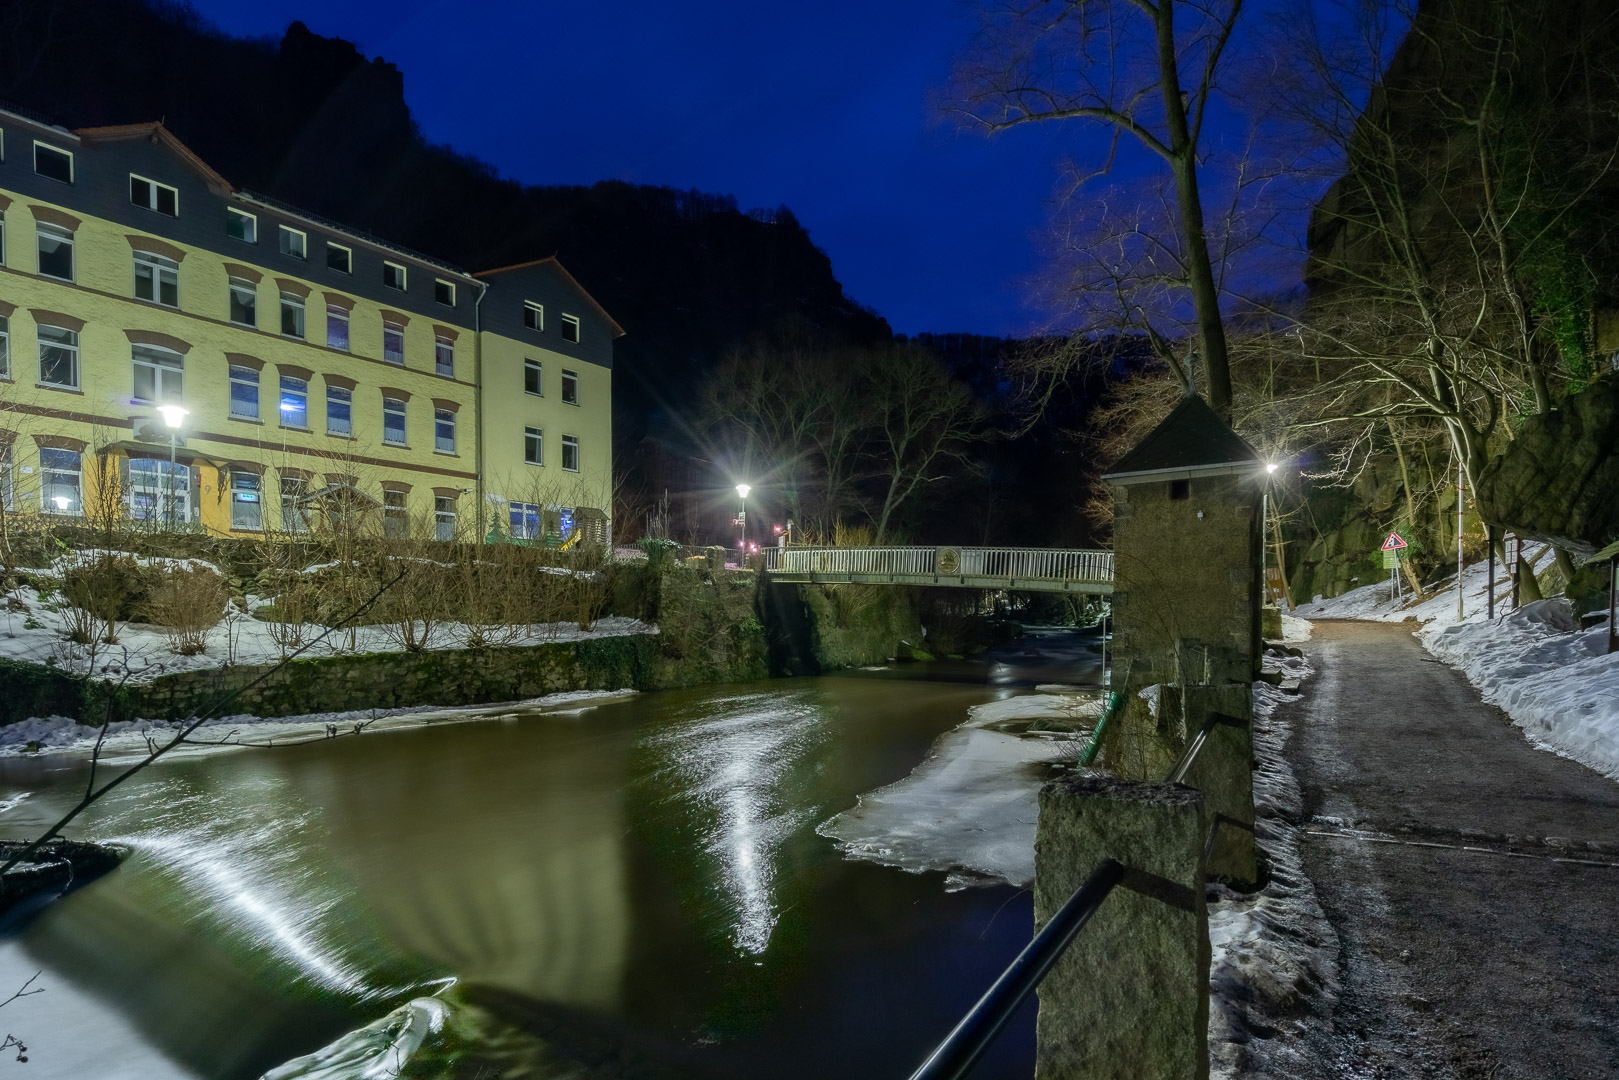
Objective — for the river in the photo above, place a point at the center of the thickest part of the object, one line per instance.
(634, 889)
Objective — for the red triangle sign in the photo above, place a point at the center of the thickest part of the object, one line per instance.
(1393, 543)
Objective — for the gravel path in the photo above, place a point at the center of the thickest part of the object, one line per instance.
(1501, 963)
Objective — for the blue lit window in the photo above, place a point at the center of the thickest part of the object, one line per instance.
(294, 402)
(393, 421)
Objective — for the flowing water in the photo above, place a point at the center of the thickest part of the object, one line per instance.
(636, 889)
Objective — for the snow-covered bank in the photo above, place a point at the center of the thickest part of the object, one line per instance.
(1554, 680)
(61, 734)
(970, 808)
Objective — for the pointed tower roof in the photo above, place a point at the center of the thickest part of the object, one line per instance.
(1191, 441)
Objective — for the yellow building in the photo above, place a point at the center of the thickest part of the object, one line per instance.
(181, 353)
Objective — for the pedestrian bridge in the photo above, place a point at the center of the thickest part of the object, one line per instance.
(1026, 569)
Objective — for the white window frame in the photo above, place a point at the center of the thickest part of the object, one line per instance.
(402, 411)
(237, 489)
(302, 392)
(442, 419)
(2, 235)
(538, 368)
(572, 440)
(167, 372)
(160, 266)
(336, 314)
(56, 232)
(526, 512)
(5, 347)
(570, 378)
(393, 327)
(448, 285)
(348, 259)
(573, 322)
(534, 437)
(153, 187)
(72, 163)
(239, 285)
(340, 395)
(443, 346)
(72, 348)
(8, 475)
(46, 501)
(239, 376)
(252, 221)
(293, 490)
(444, 518)
(284, 231)
(537, 323)
(294, 302)
(395, 513)
(404, 275)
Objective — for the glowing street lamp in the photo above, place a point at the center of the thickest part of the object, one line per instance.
(174, 416)
(1264, 526)
(742, 518)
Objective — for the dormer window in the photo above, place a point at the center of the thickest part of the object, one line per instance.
(444, 292)
(533, 315)
(339, 258)
(393, 276)
(293, 242)
(570, 328)
(151, 195)
(240, 225)
(53, 164)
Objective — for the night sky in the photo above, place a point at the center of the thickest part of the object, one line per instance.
(825, 107)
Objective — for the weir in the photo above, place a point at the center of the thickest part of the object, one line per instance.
(1065, 570)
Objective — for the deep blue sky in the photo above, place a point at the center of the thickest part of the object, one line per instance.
(822, 106)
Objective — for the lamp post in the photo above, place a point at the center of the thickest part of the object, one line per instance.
(1264, 527)
(173, 416)
(742, 518)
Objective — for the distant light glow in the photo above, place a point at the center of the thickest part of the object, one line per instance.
(61, 501)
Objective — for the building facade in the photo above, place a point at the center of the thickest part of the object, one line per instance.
(179, 353)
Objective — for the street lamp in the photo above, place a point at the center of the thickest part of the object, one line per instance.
(742, 518)
(1264, 526)
(173, 416)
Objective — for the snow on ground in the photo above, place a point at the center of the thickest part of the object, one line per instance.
(1274, 970)
(128, 740)
(1554, 680)
(970, 808)
(37, 633)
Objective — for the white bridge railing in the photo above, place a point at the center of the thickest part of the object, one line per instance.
(1011, 564)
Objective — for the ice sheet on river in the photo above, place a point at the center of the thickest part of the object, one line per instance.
(970, 808)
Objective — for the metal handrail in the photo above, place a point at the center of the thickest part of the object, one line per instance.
(968, 1040)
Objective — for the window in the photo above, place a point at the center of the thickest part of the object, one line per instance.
(293, 242)
(294, 515)
(393, 421)
(157, 279)
(1180, 489)
(534, 446)
(444, 292)
(533, 315)
(154, 196)
(525, 518)
(58, 357)
(339, 258)
(393, 343)
(2, 238)
(159, 491)
(395, 515)
(292, 315)
(393, 276)
(5, 347)
(55, 252)
(339, 410)
(337, 328)
(59, 481)
(246, 508)
(159, 375)
(444, 431)
(244, 302)
(532, 381)
(240, 225)
(8, 482)
(570, 453)
(53, 164)
(244, 392)
(294, 405)
(570, 388)
(443, 517)
(444, 356)
(570, 328)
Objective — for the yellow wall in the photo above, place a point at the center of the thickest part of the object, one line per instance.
(101, 412)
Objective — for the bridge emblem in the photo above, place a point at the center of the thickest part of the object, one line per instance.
(949, 561)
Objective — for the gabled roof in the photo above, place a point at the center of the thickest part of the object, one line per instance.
(157, 133)
(618, 331)
(1191, 441)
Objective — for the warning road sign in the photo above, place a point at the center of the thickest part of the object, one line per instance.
(1393, 543)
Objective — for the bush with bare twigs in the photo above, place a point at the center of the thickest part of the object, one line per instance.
(187, 602)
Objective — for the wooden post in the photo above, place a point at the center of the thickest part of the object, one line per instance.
(1489, 542)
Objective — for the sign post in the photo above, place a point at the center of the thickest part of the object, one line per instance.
(1392, 546)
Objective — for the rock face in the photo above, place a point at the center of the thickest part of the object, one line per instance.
(1559, 479)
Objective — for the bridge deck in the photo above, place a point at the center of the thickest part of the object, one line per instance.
(1026, 569)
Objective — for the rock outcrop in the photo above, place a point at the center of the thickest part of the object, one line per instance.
(1558, 481)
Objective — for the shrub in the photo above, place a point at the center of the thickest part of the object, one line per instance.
(187, 603)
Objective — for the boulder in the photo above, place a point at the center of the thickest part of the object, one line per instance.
(1558, 481)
